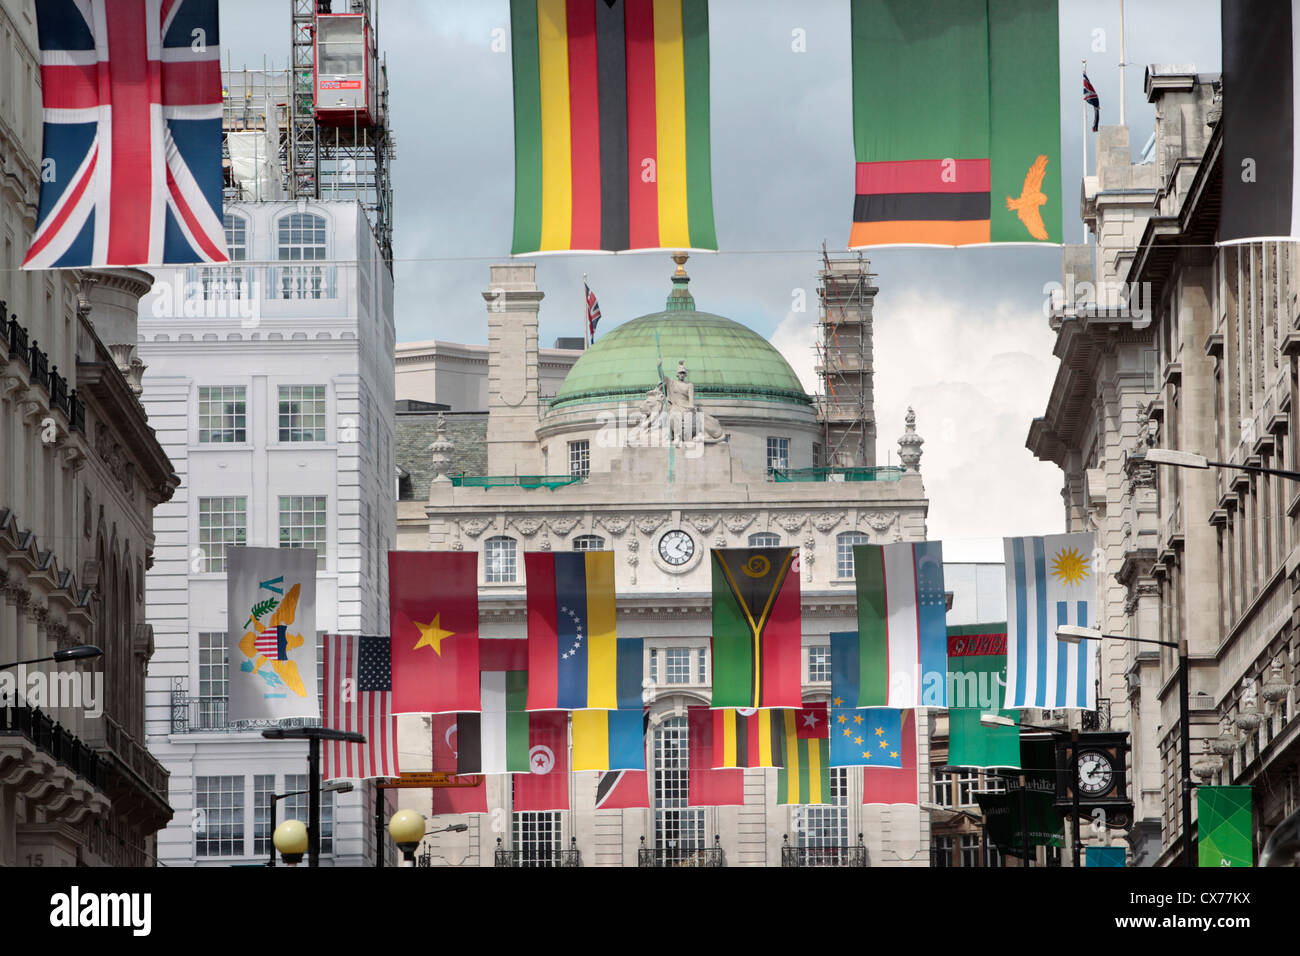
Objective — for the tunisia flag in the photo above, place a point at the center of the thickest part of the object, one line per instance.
(453, 799)
(433, 599)
(547, 786)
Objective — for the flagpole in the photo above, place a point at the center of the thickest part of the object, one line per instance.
(1085, 144)
(1122, 64)
(586, 316)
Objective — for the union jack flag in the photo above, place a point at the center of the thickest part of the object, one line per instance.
(1092, 99)
(131, 173)
(593, 311)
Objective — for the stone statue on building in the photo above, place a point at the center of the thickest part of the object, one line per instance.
(684, 419)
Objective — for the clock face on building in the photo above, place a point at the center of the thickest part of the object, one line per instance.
(676, 547)
(1095, 772)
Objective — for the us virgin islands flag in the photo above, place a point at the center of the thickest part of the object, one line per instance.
(1050, 582)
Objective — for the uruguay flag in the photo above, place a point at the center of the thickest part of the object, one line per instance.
(575, 657)
(1050, 582)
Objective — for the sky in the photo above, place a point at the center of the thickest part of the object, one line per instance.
(960, 334)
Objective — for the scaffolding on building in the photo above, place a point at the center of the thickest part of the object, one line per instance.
(845, 406)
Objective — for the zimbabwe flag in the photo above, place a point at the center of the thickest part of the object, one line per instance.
(756, 628)
(956, 125)
(611, 125)
(748, 738)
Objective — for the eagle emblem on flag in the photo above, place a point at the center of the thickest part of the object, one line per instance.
(131, 162)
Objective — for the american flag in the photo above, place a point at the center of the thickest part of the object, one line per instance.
(270, 643)
(131, 173)
(358, 676)
(1092, 99)
(593, 312)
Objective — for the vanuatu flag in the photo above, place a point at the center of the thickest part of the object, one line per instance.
(956, 125)
(748, 737)
(806, 776)
(611, 125)
(433, 601)
(575, 659)
(756, 628)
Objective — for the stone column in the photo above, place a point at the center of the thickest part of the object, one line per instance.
(512, 303)
(8, 622)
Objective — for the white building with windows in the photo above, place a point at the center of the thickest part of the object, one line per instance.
(270, 382)
(598, 467)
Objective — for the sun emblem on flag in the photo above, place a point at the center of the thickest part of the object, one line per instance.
(1069, 566)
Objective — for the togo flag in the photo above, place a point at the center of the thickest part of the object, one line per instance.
(806, 776)
(1049, 583)
(902, 635)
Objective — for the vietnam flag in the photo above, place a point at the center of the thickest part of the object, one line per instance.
(708, 787)
(433, 600)
(546, 786)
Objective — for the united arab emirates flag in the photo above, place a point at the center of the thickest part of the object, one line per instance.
(956, 123)
(496, 740)
(433, 602)
(977, 673)
(1261, 124)
(611, 125)
(756, 628)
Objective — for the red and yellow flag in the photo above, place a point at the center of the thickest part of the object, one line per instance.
(433, 603)
(611, 125)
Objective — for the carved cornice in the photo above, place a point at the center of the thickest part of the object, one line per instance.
(527, 525)
(562, 524)
(826, 520)
(614, 524)
(646, 524)
(473, 526)
(791, 521)
(738, 521)
(703, 522)
(877, 520)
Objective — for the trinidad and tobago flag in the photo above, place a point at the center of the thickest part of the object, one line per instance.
(131, 167)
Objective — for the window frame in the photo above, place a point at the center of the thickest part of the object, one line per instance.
(491, 576)
(844, 556)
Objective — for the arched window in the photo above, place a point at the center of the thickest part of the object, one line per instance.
(229, 281)
(499, 559)
(588, 542)
(844, 543)
(679, 829)
(300, 238)
(765, 539)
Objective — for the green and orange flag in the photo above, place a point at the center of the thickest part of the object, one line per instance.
(756, 628)
(956, 122)
(611, 125)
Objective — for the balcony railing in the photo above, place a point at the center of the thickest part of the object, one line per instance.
(879, 473)
(681, 856)
(53, 739)
(513, 481)
(1098, 719)
(538, 856)
(843, 855)
(136, 756)
(199, 715)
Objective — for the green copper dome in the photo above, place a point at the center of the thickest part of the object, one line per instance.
(724, 359)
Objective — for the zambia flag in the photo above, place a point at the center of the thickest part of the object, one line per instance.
(756, 628)
(611, 125)
(806, 776)
(956, 125)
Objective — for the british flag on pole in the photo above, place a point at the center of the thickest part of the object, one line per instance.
(131, 168)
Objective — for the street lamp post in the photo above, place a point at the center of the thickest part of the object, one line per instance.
(313, 736)
(997, 720)
(1072, 635)
(407, 828)
(1187, 459)
(80, 652)
(334, 786)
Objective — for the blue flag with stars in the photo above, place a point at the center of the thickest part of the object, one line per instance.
(860, 736)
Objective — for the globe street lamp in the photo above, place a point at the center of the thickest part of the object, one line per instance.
(290, 838)
(313, 736)
(407, 828)
(1071, 634)
(334, 786)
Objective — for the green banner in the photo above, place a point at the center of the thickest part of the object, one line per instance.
(1224, 825)
(977, 674)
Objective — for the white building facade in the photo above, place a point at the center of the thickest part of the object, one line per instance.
(270, 382)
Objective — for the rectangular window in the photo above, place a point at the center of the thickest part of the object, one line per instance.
(499, 560)
(302, 524)
(298, 808)
(214, 680)
(778, 453)
(677, 665)
(654, 665)
(302, 413)
(819, 664)
(223, 414)
(993, 856)
(263, 787)
(941, 852)
(967, 783)
(537, 838)
(679, 829)
(701, 667)
(219, 818)
(994, 783)
(943, 789)
(222, 522)
(579, 458)
(970, 849)
(844, 551)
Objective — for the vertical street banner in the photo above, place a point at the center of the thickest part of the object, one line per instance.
(609, 739)
(897, 780)
(708, 787)
(1032, 808)
(860, 736)
(1050, 582)
(1261, 125)
(1224, 824)
(612, 139)
(757, 629)
(495, 740)
(804, 778)
(546, 785)
(623, 790)
(977, 670)
(433, 612)
(902, 640)
(748, 737)
(131, 163)
(446, 746)
(956, 122)
(271, 627)
(357, 679)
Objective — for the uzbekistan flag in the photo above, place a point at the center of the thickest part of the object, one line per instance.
(708, 787)
(806, 776)
(611, 125)
(756, 628)
(956, 124)
(609, 739)
(575, 657)
(1049, 584)
(902, 635)
(433, 601)
(748, 738)
(895, 784)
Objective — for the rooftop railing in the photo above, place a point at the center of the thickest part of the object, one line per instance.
(513, 481)
(877, 473)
